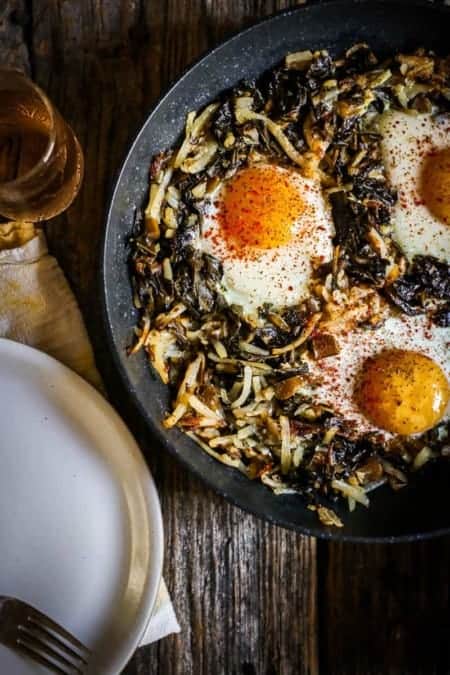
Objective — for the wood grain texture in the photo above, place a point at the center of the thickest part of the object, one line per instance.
(384, 610)
(246, 593)
(239, 590)
(14, 23)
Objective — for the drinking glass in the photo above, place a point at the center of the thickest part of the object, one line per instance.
(41, 161)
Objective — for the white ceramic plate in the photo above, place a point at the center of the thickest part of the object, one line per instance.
(80, 524)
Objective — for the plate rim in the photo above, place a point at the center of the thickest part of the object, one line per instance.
(106, 322)
(153, 577)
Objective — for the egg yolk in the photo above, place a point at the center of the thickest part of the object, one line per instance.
(403, 392)
(259, 208)
(436, 185)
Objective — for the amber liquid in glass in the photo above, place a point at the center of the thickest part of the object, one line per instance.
(41, 162)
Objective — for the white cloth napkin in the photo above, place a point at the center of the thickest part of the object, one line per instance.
(38, 308)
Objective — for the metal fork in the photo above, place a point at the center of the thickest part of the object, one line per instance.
(33, 634)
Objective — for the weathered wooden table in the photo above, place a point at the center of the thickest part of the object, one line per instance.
(252, 599)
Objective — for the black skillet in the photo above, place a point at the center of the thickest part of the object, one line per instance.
(418, 511)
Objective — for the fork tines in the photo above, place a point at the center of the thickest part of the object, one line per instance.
(49, 644)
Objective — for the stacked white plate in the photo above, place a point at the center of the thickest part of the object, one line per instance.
(80, 524)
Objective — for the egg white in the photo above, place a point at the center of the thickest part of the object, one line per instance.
(338, 375)
(279, 276)
(407, 139)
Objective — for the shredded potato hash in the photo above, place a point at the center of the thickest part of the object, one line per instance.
(240, 384)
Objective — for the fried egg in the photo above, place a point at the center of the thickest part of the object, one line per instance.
(269, 226)
(393, 380)
(416, 154)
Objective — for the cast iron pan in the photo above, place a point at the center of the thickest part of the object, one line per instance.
(418, 511)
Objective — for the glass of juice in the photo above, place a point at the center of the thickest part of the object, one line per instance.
(41, 161)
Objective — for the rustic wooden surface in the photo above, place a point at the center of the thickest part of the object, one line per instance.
(252, 599)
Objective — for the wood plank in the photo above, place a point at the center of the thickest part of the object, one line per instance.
(384, 609)
(244, 591)
(14, 24)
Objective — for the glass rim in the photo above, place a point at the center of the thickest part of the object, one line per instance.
(41, 163)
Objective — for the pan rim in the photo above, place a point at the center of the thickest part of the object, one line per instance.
(107, 322)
